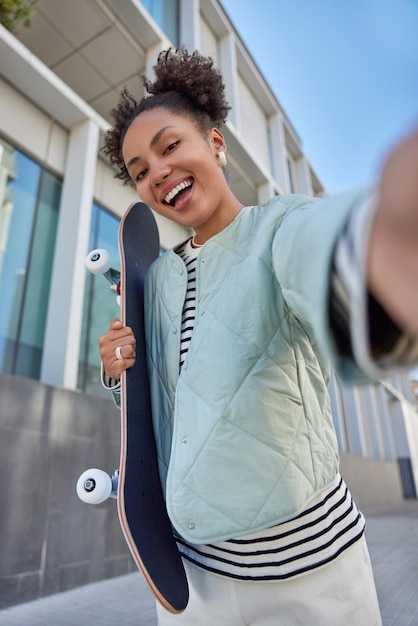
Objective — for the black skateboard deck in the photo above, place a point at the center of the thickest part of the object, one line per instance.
(141, 506)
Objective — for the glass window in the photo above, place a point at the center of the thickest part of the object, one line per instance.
(166, 14)
(100, 303)
(291, 177)
(271, 153)
(29, 201)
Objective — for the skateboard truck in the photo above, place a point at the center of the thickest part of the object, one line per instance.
(98, 262)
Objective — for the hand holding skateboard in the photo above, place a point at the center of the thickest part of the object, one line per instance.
(122, 337)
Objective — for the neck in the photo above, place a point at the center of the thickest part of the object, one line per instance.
(194, 244)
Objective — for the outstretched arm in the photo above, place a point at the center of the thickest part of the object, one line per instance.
(355, 256)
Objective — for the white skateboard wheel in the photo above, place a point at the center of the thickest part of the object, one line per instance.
(94, 486)
(98, 261)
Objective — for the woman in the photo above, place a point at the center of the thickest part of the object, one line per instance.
(238, 320)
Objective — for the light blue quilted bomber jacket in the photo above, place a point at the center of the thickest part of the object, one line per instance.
(244, 433)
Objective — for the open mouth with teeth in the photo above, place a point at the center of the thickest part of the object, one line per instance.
(172, 197)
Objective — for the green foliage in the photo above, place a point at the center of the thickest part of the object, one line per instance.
(15, 12)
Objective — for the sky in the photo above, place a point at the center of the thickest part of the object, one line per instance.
(345, 73)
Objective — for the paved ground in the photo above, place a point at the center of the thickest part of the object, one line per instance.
(393, 543)
(392, 536)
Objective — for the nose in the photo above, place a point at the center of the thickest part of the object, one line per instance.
(159, 176)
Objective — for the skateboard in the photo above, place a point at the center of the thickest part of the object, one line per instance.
(141, 507)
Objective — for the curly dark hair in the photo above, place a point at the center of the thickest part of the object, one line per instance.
(186, 84)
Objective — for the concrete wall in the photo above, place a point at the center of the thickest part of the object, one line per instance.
(50, 541)
(373, 483)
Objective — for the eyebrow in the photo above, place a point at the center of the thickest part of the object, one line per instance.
(153, 141)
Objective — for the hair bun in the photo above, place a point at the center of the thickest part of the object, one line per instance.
(194, 77)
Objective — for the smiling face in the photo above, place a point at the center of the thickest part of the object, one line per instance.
(175, 169)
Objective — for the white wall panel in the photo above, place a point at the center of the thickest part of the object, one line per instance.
(208, 41)
(253, 125)
(29, 129)
(110, 192)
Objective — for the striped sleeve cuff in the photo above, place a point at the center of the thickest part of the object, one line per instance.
(111, 384)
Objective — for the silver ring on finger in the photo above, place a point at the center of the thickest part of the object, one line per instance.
(118, 353)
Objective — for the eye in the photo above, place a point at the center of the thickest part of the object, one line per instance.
(171, 147)
(140, 175)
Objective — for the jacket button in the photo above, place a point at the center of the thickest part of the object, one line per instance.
(191, 526)
(184, 440)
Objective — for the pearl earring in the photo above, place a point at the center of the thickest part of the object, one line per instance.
(222, 158)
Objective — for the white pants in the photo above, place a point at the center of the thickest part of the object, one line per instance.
(341, 593)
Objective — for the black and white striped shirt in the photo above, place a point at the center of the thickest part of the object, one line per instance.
(329, 524)
(189, 306)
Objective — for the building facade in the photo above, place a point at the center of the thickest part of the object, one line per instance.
(59, 80)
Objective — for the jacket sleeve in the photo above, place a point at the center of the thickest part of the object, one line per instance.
(378, 345)
(303, 257)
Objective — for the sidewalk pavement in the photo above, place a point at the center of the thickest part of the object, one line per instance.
(392, 536)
